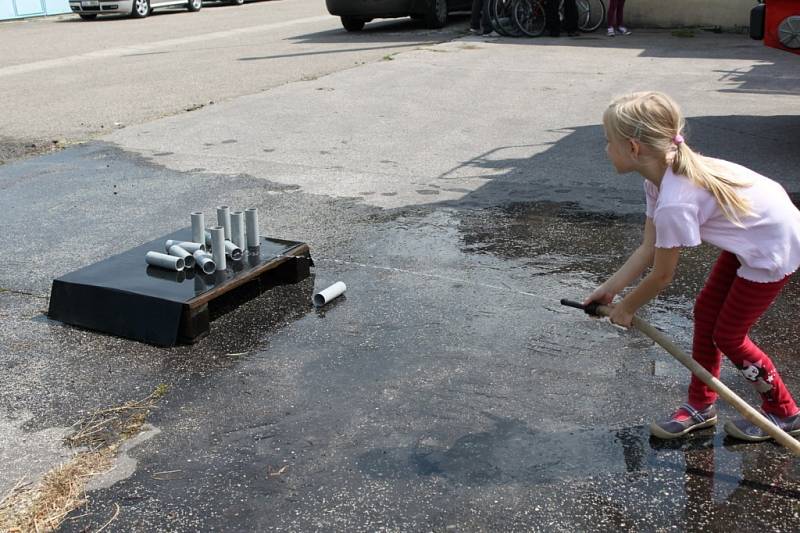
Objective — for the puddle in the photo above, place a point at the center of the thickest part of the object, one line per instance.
(701, 472)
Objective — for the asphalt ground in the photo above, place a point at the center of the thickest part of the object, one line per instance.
(459, 190)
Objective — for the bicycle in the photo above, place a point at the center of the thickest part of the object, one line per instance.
(501, 15)
(530, 19)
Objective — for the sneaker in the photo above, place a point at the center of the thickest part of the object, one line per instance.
(686, 419)
(610, 32)
(474, 30)
(622, 30)
(743, 429)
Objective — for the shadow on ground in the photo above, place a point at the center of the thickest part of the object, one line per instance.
(575, 168)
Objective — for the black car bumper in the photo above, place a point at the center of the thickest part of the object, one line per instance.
(371, 8)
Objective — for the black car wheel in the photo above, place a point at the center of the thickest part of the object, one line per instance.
(141, 8)
(195, 5)
(353, 23)
(436, 16)
(88, 17)
(237, 2)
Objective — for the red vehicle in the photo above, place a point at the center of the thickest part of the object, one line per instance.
(777, 22)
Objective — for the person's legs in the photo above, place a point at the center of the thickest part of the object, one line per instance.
(706, 310)
(699, 411)
(570, 16)
(486, 19)
(612, 13)
(620, 9)
(746, 302)
(620, 26)
(551, 17)
(475, 18)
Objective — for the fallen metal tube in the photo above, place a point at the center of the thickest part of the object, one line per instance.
(218, 247)
(205, 261)
(170, 262)
(198, 227)
(237, 229)
(179, 251)
(224, 219)
(251, 223)
(233, 251)
(326, 295)
(190, 247)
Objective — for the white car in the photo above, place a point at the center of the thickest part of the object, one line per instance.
(89, 9)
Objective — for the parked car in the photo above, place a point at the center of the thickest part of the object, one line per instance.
(356, 13)
(232, 2)
(89, 9)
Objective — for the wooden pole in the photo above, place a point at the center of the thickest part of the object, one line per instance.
(705, 376)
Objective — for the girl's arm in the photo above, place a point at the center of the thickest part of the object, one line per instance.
(664, 264)
(638, 262)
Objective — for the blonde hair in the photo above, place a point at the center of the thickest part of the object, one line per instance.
(655, 120)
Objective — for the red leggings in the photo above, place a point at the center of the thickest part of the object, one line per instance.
(725, 310)
(615, 13)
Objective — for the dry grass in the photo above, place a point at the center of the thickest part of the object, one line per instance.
(43, 505)
(107, 427)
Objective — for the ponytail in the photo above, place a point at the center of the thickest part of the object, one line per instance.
(654, 119)
(706, 173)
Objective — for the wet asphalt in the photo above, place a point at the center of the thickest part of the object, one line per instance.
(447, 391)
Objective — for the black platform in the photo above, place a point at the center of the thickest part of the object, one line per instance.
(124, 296)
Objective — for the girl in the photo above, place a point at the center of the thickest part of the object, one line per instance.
(693, 199)
(615, 26)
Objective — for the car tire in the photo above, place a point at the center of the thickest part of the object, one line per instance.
(353, 23)
(140, 9)
(436, 16)
(195, 5)
(237, 2)
(90, 16)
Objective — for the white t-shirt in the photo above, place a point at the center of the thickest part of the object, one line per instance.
(768, 246)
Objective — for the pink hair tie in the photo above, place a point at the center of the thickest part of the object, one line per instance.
(678, 139)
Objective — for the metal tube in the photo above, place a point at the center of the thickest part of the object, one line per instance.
(205, 262)
(179, 251)
(326, 295)
(218, 247)
(198, 226)
(237, 229)
(233, 251)
(224, 219)
(190, 247)
(169, 262)
(251, 222)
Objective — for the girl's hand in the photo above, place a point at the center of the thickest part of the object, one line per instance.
(600, 295)
(620, 316)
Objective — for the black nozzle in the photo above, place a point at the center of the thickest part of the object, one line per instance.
(589, 309)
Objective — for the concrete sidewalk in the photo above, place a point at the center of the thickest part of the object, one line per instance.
(474, 105)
